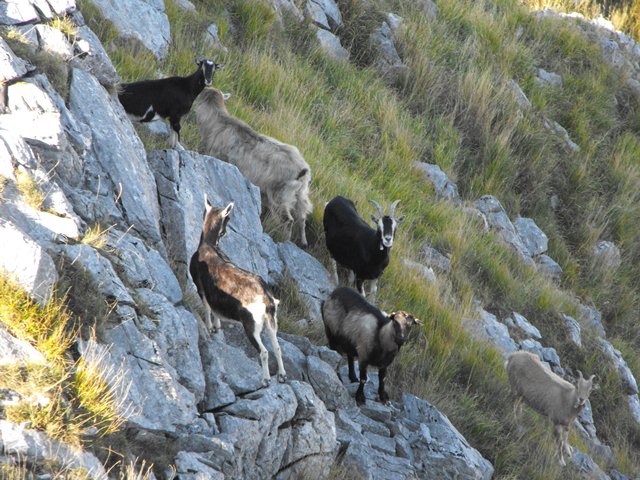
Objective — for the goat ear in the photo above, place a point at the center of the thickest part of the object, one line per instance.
(226, 96)
(220, 66)
(417, 321)
(227, 210)
(580, 377)
(198, 61)
(207, 204)
(400, 220)
(374, 219)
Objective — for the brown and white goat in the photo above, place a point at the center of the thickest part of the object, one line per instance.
(548, 394)
(231, 292)
(277, 168)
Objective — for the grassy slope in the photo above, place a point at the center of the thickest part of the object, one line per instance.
(455, 109)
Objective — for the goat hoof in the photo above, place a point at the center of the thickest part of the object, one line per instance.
(353, 379)
(360, 400)
(282, 378)
(384, 398)
(563, 463)
(265, 382)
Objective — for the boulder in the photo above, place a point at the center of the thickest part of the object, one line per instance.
(559, 130)
(533, 238)
(573, 330)
(548, 78)
(521, 98)
(429, 8)
(485, 327)
(327, 385)
(607, 255)
(634, 407)
(331, 46)
(11, 66)
(90, 56)
(312, 279)
(212, 39)
(387, 60)
(442, 185)
(520, 327)
(324, 13)
(193, 466)
(585, 467)
(549, 267)
(498, 221)
(629, 383)
(53, 41)
(26, 262)
(288, 6)
(591, 318)
(425, 272)
(434, 258)
(17, 12)
(153, 32)
(183, 178)
(33, 448)
(14, 351)
(546, 354)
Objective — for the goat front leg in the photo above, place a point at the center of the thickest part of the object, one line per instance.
(253, 332)
(336, 280)
(359, 285)
(272, 330)
(558, 433)
(373, 290)
(174, 137)
(382, 393)
(352, 370)
(303, 233)
(360, 399)
(568, 449)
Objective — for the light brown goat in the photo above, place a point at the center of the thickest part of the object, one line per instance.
(548, 394)
(277, 168)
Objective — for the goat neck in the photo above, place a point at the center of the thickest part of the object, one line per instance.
(215, 224)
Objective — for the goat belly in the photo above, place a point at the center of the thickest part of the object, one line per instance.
(342, 345)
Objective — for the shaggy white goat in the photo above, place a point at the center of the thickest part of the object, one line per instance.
(548, 394)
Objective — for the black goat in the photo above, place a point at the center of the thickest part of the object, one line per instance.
(356, 328)
(355, 245)
(167, 98)
(231, 292)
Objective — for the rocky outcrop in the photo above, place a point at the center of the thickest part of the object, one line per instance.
(154, 33)
(441, 183)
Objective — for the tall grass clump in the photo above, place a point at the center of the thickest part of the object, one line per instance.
(64, 398)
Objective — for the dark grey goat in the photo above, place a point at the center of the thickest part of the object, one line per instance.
(355, 245)
(167, 98)
(356, 328)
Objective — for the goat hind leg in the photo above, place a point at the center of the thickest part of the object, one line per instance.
(352, 370)
(373, 290)
(272, 331)
(254, 336)
(335, 272)
(568, 449)
(558, 433)
(360, 399)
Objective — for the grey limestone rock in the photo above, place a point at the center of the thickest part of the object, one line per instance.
(520, 96)
(118, 156)
(330, 45)
(93, 58)
(141, 266)
(193, 466)
(634, 407)
(559, 130)
(183, 178)
(443, 186)
(592, 318)
(573, 330)
(549, 267)
(312, 279)
(54, 41)
(520, 327)
(15, 351)
(17, 12)
(327, 385)
(549, 78)
(425, 272)
(143, 20)
(27, 262)
(533, 238)
(499, 221)
(434, 258)
(607, 255)
(487, 328)
(387, 60)
(626, 377)
(11, 66)
(429, 8)
(34, 447)
(585, 466)
(325, 13)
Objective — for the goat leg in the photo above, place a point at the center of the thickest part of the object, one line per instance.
(568, 449)
(360, 399)
(558, 433)
(359, 284)
(373, 290)
(272, 331)
(384, 397)
(303, 233)
(336, 280)
(352, 371)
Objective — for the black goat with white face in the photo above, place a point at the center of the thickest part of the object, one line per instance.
(355, 245)
(356, 328)
(167, 98)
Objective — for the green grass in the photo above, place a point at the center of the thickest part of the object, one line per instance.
(64, 398)
(455, 108)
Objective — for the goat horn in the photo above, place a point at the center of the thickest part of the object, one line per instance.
(393, 208)
(580, 375)
(375, 204)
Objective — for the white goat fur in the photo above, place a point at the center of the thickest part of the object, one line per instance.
(548, 394)
(277, 168)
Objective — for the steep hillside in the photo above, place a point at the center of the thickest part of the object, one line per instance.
(536, 109)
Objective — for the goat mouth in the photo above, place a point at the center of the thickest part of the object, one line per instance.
(387, 243)
(208, 83)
